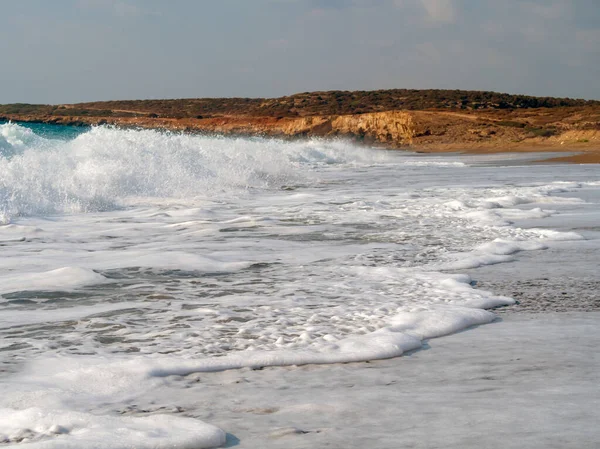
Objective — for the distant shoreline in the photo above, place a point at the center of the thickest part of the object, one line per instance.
(423, 121)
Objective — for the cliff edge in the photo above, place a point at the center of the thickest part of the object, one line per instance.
(424, 121)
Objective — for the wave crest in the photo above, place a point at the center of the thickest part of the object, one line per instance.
(103, 167)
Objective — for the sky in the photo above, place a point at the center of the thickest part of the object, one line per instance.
(66, 51)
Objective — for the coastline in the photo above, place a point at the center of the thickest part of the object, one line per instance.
(526, 381)
(418, 131)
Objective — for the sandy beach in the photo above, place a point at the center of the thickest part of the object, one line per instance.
(189, 308)
(286, 224)
(526, 381)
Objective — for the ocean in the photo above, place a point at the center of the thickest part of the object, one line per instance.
(133, 258)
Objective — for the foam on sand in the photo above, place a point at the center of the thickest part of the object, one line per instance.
(65, 278)
(16, 318)
(40, 429)
(73, 383)
(131, 259)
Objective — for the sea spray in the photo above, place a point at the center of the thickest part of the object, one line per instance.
(104, 167)
(136, 257)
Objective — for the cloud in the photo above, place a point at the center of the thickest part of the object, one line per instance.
(122, 9)
(440, 10)
(273, 47)
(435, 11)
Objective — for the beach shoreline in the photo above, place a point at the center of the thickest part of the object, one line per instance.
(419, 121)
(512, 226)
(574, 153)
(526, 381)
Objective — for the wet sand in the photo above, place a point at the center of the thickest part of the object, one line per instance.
(540, 154)
(590, 157)
(527, 381)
(524, 382)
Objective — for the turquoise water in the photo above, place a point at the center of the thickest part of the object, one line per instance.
(49, 131)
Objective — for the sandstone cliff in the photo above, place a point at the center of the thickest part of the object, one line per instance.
(394, 128)
(558, 129)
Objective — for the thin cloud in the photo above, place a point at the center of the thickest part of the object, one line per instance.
(440, 10)
(122, 9)
(432, 11)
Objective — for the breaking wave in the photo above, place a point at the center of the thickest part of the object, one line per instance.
(103, 167)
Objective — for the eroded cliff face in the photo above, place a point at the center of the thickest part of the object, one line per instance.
(394, 127)
(420, 130)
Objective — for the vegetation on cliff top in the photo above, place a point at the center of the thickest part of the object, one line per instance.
(303, 104)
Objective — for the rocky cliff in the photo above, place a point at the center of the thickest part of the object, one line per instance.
(394, 128)
(543, 129)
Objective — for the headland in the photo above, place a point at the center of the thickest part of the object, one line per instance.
(417, 120)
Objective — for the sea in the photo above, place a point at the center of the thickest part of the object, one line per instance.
(129, 258)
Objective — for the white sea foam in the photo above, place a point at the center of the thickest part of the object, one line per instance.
(132, 256)
(14, 139)
(103, 168)
(60, 279)
(435, 163)
(16, 318)
(45, 429)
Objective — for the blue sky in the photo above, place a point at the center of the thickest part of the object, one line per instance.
(64, 51)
